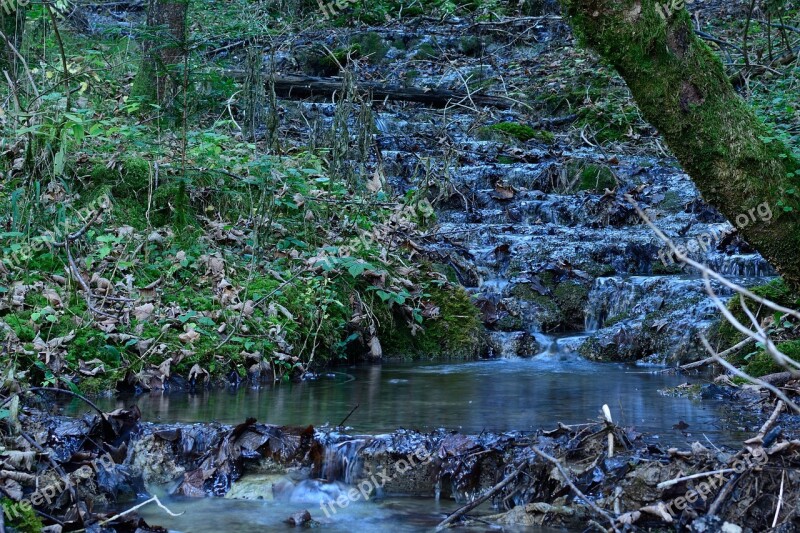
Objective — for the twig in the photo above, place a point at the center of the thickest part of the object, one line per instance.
(702, 268)
(154, 499)
(707, 360)
(671, 482)
(748, 377)
(68, 393)
(447, 522)
(353, 410)
(24, 63)
(73, 268)
(577, 491)
(780, 501)
(759, 439)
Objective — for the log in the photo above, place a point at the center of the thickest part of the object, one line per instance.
(301, 86)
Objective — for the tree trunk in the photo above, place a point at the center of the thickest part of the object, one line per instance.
(164, 49)
(12, 24)
(681, 88)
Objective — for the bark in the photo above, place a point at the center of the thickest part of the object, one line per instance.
(163, 50)
(680, 87)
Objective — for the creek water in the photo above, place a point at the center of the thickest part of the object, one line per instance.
(470, 397)
(494, 395)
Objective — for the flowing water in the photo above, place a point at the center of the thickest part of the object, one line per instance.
(495, 395)
(513, 232)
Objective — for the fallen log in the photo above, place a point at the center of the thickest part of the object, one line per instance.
(301, 86)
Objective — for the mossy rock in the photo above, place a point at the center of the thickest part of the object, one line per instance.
(371, 46)
(323, 63)
(596, 178)
(549, 314)
(427, 51)
(572, 297)
(763, 363)
(129, 179)
(515, 130)
(471, 46)
(457, 333)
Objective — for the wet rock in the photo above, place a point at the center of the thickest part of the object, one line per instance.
(541, 513)
(515, 343)
(300, 518)
(153, 459)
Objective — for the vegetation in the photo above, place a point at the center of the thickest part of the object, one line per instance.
(144, 241)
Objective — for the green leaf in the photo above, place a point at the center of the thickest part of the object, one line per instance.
(383, 295)
(186, 316)
(356, 269)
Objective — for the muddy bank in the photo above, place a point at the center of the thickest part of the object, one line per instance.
(567, 476)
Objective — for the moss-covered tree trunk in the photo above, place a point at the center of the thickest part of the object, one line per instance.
(681, 88)
(163, 51)
(12, 24)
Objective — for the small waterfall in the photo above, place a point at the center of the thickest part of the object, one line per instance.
(610, 298)
(342, 461)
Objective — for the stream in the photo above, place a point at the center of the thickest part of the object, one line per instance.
(494, 395)
(565, 278)
(513, 394)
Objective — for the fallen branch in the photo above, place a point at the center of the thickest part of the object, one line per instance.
(575, 489)
(447, 522)
(697, 364)
(671, 482)
(154, 499)
(301, 86)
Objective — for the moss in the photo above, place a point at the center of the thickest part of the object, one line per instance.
(521, 132)
(128, 179)
(658, 268)
(616, 319)
(20, 324)
(596, 178)
(471, 46)
(457, 332)
(776, 291)
(572, 297)
(427, 51)
(21, 519)
(324, 63)
(549, 315)
(371, 46)
(762, 363)
(672, 202)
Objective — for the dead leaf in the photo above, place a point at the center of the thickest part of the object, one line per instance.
(503, 191)
(84, 368)
(143, 312)
(189, 336)
(53, 298)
